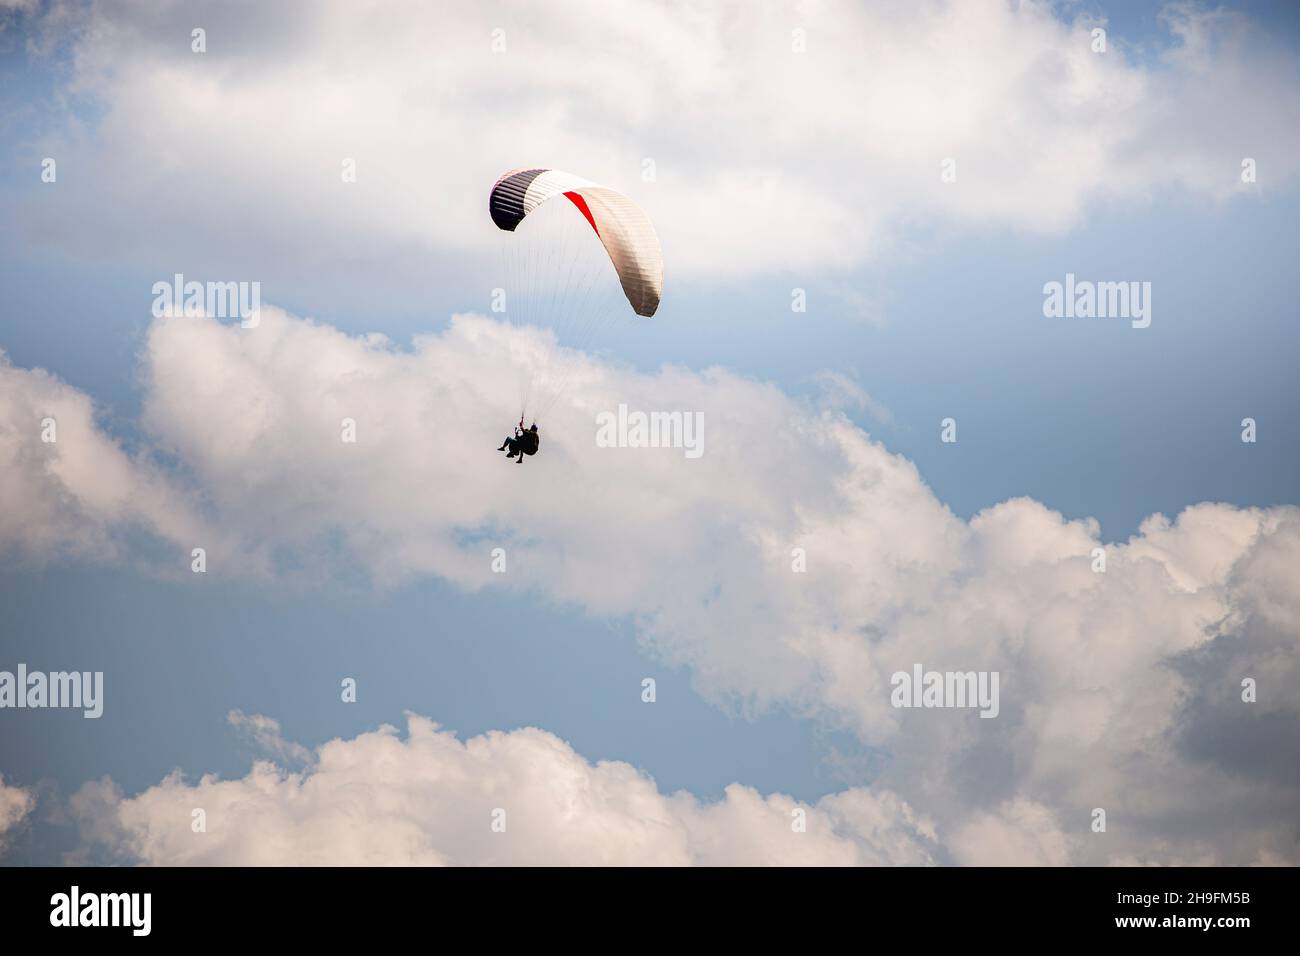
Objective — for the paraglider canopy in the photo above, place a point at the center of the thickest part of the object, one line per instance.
(624, 229)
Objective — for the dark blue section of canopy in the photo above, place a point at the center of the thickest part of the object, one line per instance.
(507, 200)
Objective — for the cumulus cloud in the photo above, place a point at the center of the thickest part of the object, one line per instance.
(431, 799)
(1120, 689)
(15, 804)
(69, 489)
(1020, 833)
(764, 158)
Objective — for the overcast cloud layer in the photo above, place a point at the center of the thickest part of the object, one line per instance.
(1119, 690)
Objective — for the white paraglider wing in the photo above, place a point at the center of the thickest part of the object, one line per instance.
(624, 229)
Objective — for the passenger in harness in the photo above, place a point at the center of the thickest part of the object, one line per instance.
(525, 442)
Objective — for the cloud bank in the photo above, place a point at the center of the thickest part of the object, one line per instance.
(1120, 690)
(519, 798)
(68, 488)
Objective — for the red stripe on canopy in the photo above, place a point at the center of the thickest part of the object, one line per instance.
(581, 203)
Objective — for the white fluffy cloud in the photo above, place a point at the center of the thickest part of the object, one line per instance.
(1119, 690)
(66, 488)
(764, 158)
(430, 799)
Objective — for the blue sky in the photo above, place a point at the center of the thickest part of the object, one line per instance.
(933, 311)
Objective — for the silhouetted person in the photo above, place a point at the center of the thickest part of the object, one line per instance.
(525, 442)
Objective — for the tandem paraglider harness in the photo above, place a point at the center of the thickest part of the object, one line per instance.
(525, 442)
